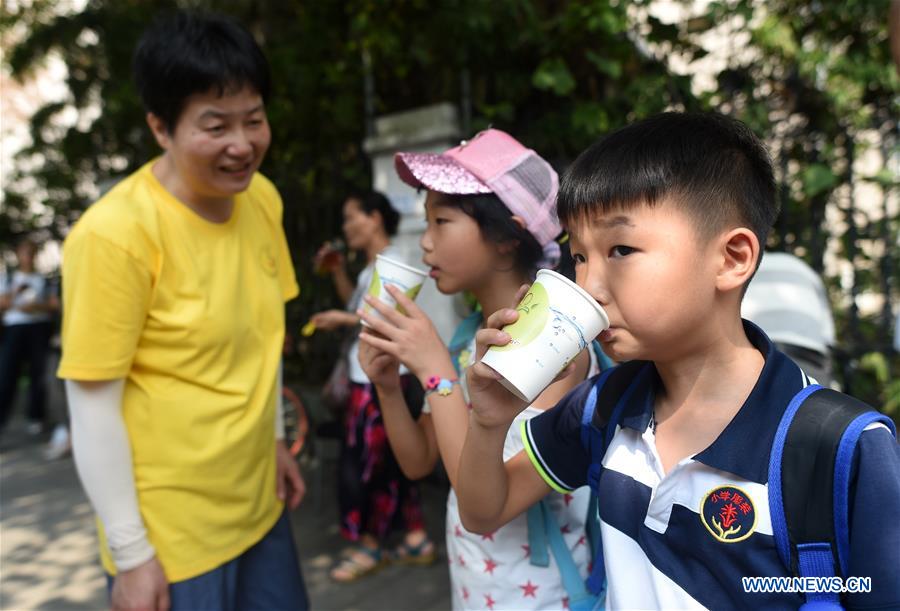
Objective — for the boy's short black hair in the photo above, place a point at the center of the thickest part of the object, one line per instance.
(375, 201)
(712, 166)
(185, 53)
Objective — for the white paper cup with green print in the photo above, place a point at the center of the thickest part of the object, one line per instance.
(557, 320)
(390, 271)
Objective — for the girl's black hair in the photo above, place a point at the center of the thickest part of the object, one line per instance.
(373, 201)
(495, 221)
(185, 53)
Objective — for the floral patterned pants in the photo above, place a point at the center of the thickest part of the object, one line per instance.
(373, 494)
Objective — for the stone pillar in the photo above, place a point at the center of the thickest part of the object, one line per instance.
(430, 129)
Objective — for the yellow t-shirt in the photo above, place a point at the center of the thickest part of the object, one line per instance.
(191, 313)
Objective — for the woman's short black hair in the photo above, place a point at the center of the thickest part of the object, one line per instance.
(373, 201)
(496, 223)
(185, 53)
(710, 165)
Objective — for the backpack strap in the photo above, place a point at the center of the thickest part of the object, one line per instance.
(843, 466)
(580, 599)
(537, 536)
(462, 337)
(602, 412)
(809, 483)
(602, 360)
(603, 409)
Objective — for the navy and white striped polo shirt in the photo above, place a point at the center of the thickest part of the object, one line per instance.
(685, 539)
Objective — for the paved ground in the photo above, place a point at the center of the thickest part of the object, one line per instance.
(48, 556)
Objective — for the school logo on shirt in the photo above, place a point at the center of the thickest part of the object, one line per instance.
(728, 514)
(267, 258)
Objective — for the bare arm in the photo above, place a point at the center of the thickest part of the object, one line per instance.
(413, 340)
(413, 441)
(50, 305)
(492, 492)
(330, 320)
(449, 416)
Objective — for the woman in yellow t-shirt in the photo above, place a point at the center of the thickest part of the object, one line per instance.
(174, 284)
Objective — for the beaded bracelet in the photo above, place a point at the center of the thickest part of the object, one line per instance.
(439, 385)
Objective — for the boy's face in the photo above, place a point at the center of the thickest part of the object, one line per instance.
(652, 274)
(218, 142)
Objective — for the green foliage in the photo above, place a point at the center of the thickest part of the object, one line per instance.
(812, 76)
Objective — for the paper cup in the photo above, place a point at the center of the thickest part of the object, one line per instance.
(557, 320)
(390, 271)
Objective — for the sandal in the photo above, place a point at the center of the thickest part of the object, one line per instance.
(350, 568)
(422, 554)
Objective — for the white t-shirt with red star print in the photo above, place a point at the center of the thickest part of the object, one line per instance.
(494, 571)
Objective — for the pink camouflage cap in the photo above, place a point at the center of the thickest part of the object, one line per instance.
(493, 162)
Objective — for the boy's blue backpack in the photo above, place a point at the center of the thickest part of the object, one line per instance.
(809, 472)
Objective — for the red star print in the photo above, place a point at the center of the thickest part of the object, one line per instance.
(489, 566)
(465, 593)
(565, 529)
(458, 531)
(581, 540)
(488, 537)
(568, 498)
(529, 589)
(527, 549)
(489, 602)
(462, 561)
(566, 602)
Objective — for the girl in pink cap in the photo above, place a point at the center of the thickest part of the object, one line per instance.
(491, 217)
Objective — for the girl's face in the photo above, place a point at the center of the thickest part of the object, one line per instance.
(458, 255)
(358, 226)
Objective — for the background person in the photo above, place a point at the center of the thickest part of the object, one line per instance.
(28, 302)
(373, 493)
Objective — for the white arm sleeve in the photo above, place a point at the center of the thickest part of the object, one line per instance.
(103, 458)
(279, 404)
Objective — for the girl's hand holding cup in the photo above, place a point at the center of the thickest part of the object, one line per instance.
(406, 333)
(382, 369)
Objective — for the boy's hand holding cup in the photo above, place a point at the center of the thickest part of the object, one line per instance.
(527, 350)
(493, 406)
